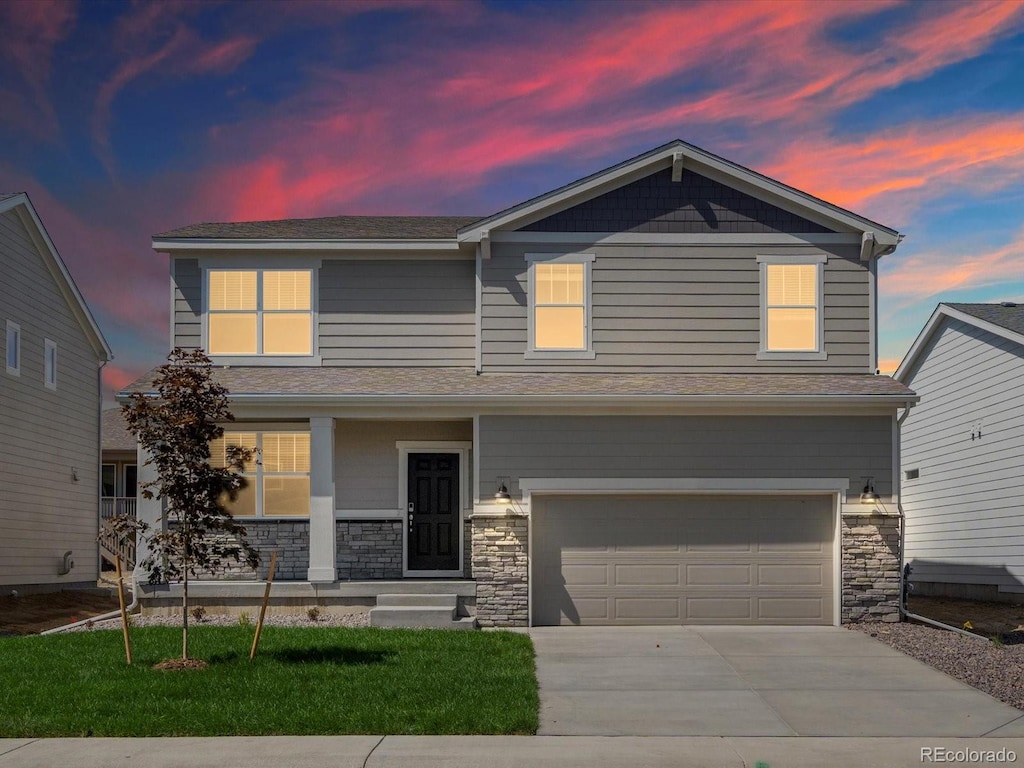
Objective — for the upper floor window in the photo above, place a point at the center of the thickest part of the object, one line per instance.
(260, 312)
(791, 307)
(13, 348)
(560, 305)
(278, 475)
(50, 364)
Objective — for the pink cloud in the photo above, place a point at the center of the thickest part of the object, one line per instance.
(29, 32)
(936, 272)
(388, 138)
(894, 171)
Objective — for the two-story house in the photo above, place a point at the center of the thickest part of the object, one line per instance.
(648, 396)
(49, 413)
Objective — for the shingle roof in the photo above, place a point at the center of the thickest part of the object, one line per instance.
(1010, 317)
(115, 432)
(464, 382)
(331, 228)
(7, 195)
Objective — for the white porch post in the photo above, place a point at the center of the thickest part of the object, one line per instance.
(321, 500)
(148, 511)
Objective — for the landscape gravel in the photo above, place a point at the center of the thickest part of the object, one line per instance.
(997, 668)
(217, 620)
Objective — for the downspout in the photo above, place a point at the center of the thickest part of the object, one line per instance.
(903, 543)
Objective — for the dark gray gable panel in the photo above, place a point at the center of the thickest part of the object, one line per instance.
(695, 205)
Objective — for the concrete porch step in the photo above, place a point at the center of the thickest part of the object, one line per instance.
(419, 601)
(431, 611)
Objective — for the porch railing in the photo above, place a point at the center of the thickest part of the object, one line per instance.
(113, 544)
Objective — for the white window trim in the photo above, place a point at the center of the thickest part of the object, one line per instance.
(257, 475)
(16, 369)
(587, 260)
(819, 261)
(260, 358)
(49, 371)
(463, 449)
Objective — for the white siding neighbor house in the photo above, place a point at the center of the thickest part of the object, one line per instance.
(962, 453)
(53, 353)
(646, 397)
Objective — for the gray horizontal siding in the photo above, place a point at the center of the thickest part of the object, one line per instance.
(366, 458)
(686, 446)
(45, 435)
(397, 312)
(188, 303)
(965, 521)
(676, 309)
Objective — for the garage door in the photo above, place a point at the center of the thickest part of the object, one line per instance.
(682, 559)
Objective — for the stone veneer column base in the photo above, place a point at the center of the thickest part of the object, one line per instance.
(871, 567)
(500, 568)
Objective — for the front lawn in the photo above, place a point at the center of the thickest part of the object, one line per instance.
(303, 681)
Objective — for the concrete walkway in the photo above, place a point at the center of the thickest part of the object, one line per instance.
(494, 752)
(750, 682)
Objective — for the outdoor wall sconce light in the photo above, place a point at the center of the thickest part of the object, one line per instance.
(503, 496)
(868, 495)
(74, 474)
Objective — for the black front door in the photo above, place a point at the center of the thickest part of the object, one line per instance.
(434, 517)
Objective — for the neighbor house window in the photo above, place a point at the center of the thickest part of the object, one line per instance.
(50, 364)
(108, 480)
(260, 312)
(278, 475)
(559, 306)
(13, 348)
(791, 314)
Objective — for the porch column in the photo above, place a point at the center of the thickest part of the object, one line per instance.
(321, 500)
(147, 511)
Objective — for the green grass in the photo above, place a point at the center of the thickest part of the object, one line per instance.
(303, 681)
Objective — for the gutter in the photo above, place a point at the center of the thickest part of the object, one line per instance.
(903, 543)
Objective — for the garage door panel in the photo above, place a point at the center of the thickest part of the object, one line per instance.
(636, 560)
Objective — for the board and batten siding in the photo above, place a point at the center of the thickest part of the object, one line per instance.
(398, 313)
(391, 312)
(46, 436)
(685, 446)
(965, 514)
(676, 308)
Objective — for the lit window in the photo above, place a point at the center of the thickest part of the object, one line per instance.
(791, 305)
(50, 364)
(260, 312)
(559, 299)
(13, 348)
(278, 475)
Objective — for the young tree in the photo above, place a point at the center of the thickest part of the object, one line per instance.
(176, 427)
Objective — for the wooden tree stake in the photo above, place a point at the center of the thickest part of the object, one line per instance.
(263, 607)
(124, 613)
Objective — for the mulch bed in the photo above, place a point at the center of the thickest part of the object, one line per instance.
(30, 614)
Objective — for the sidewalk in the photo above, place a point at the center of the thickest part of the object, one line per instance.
(501, 752)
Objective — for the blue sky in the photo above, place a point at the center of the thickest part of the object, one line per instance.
(123, 119)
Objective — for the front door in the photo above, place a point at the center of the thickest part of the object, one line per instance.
(434, 517)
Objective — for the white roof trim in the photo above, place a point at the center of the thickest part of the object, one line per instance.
(697, 160)
(943, 311)
(174, 244)
(60, 272)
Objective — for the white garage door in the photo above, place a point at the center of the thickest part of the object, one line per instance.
(683, 559)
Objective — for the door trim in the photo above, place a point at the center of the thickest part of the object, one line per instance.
(460, 448)
(836, 487)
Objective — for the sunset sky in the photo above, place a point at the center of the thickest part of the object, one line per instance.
(125, 119)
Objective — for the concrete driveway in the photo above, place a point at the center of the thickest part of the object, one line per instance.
(744, 681)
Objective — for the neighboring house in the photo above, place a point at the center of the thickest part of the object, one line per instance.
(963, 453)
(118, 484)
(49, 412)
(648, 396)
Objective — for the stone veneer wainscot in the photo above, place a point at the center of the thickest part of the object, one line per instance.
(500, 568)
(871, 567)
